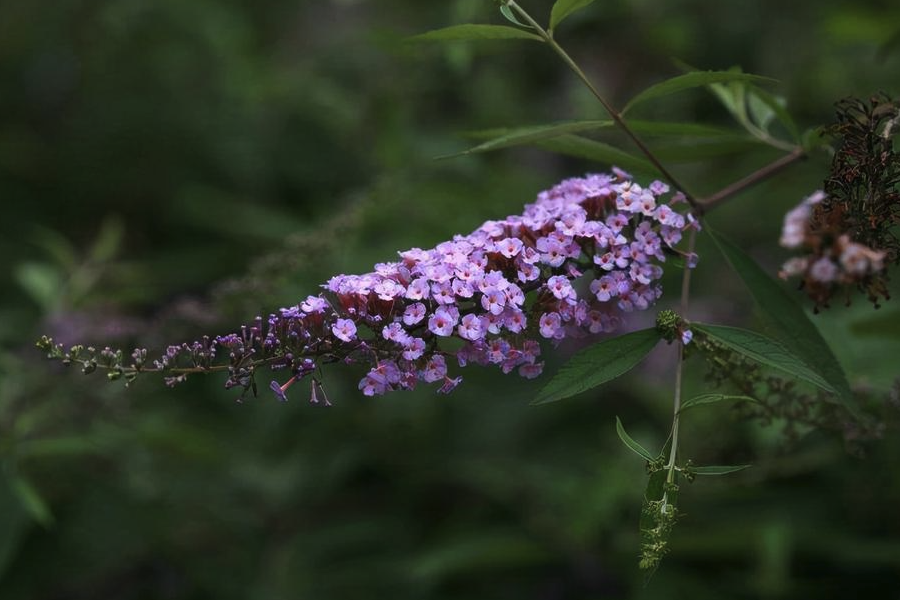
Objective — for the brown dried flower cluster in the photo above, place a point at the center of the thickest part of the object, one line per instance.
(848, 231)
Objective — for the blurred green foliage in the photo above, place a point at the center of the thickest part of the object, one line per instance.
(172, 168)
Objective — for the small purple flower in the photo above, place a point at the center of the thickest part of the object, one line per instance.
(413, 314)
(278, 391)
(344, 330)
(314, 304)
(435, 369)
(413, 348)
(449, 384)
(550, 324)
(442, 322)
(560, 287)
(470, 328)
(493, 301)
(395, 333)
(509, 247)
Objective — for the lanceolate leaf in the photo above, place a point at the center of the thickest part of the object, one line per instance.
(474, 32)
(723, 470)
(32, 501)
(713, 399)
(788, 322)
(691, 80)
(573, 145)
(508, 13)
(763, 350)
(777, 108)
(529, 135)
(633, 445)
(564, 8)
(597, 364)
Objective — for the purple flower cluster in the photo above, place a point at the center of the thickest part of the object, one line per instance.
(485, 298)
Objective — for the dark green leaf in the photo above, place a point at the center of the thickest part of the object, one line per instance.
(723, 470)
(32, 501)
(788, 322)
(471, 32)
(883, 324)
(668, 128)
(713, 399)
(573, 145)
(691, 80)
(763, 350)
(633, 445)
(597, 364)
(694, 150)
(563, 8)
(529, 135)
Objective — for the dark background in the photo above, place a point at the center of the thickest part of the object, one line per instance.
(173, 168)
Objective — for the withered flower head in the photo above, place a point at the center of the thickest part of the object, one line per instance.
(848, 232)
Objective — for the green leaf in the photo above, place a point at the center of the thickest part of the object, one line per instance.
(508, 13)
(691, 80)
(31, 500)
(883, 324)
(597, 364)
(695, 150)
(668, 128)
(776, 106)
(650, 128)
(529, 135)
(787, 321)
(723, 470)
(633, 445)
(478, 32)
(563, 8)
(573, 145)
(713, 399)
(763, 350)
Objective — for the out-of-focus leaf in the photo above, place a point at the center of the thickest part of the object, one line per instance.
(649, 128)
(774, 104)
(477, 552)
(530, 135)
(720, 470)
(713, 399)
(629, 441)
(31, 500)
(41, 281)
(690, 80)
(883, 324)
(597, 364)
(108, 241)
(573, 145)
(694, 150)
(760, 112)
(563, 8)
(763, 350)
(787, 321)
(14, 523)
(60, 446)
(474, 32)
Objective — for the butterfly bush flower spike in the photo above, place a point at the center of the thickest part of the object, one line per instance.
(579, 258)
